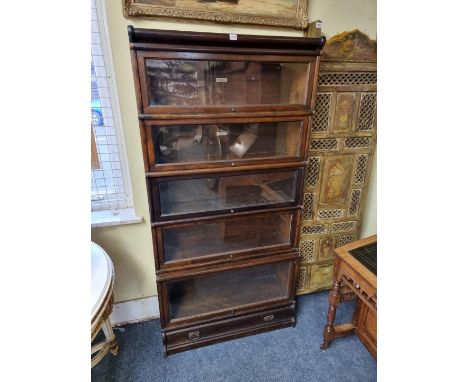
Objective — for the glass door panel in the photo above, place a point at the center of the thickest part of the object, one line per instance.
(226, 193)
(226, 236)
(228, 290)
(179, 82)
(226, 141)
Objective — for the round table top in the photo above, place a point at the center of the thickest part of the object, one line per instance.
(102, 277)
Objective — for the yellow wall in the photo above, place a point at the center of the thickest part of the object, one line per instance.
(130, 246)
(341, 15)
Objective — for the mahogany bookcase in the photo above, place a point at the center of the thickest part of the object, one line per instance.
(224, 122)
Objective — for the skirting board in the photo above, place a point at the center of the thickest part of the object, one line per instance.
(135, 311)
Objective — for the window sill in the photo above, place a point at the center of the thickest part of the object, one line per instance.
(114, 217)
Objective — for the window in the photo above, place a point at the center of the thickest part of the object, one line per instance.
(110, 183)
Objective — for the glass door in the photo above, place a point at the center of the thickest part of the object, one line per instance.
(206, 81)
(228, 290)
(217, 143)
(203, 240)
(181, 197)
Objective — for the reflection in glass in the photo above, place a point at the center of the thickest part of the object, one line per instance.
(226, 192)
(227, 141)
(227, 236)
(228, 290)
(200, 83)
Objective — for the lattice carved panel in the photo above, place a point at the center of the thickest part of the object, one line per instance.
(354, 204)
(313, 167)
(344, 239)
(322, 112)
(357, 142)
(308, 212)
(361, 167)
(343, 226)
(330, 214)
(307, 250)
(347, 78)
(315, 229)
(301, 278)
(324, 144)
(367, 111)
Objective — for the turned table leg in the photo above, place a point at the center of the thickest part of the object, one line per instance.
(329, 330)
(110, 336)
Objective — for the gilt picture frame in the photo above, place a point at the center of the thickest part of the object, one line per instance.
(278, 13)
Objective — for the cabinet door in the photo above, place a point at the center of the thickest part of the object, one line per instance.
(192, 144)
(182, 82)
(224, 238)
(213, 294)
(201, 195)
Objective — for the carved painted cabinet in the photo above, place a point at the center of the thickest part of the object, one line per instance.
(341, 148)
(224, 124)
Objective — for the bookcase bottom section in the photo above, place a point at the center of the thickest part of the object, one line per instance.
(227, 329)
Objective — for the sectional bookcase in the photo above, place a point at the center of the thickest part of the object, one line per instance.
(224, 123)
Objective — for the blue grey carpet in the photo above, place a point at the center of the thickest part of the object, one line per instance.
(291, 354)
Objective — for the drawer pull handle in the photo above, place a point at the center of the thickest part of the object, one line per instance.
(194, 335)
(268, 318)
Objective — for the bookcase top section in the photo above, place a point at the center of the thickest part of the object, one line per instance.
(310, 46)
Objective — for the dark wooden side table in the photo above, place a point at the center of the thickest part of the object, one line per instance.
(356, 268)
